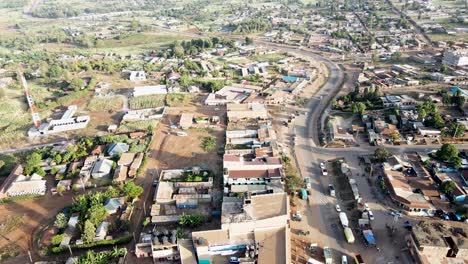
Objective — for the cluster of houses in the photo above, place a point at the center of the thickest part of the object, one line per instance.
(254, 208)
(416, 187)
(403, 126)
(99, 164)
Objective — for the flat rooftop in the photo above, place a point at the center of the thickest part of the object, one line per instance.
(434, 232)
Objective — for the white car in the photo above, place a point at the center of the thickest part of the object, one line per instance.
(337, 207)
(396, 213)
(322, 165)
(344, 260)
(366, 207)
(371, 215)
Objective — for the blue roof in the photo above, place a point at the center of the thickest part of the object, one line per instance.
(454, 90)
(369, 236)
(290, 78)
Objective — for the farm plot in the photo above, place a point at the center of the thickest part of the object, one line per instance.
(150, 101)
(105, 103)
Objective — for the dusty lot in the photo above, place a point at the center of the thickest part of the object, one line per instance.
(36, 213)
(173, 152)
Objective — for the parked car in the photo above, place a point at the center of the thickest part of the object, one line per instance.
(331, 189)
(297, 216)
(337, 207)
(371, 215)
(396, 213)
(366, 207)
(344, 260)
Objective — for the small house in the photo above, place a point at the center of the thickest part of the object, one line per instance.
(101, 231)
(102, 168)
(116, 149)
(112, 205)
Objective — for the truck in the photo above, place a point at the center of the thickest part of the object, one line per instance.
(303, 194)
(369, 237)
(327, 255)
(344, 220)
(349, 235)
(359, 259)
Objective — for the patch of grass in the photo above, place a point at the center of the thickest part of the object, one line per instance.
(137, 39)
(274, 57)
(19, 198)
(208, 143)
(177, 99)
(9, 162)
(9, 252)
(137, 126)
(150, 101)
(105, 103)
(10, 224)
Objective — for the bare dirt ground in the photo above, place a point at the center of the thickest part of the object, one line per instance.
(173, 152)
(36, 213)
(169, 151)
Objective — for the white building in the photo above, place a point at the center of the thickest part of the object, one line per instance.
(137, 76)
(66, 123)
(18, 184)
(456, 57)
(149, 90)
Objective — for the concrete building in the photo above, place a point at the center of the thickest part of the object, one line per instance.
(149, 90)
(66, 123)
(246, 111)
(17, 184)
(402, 191)
(137, 76)
(255, 225)
(438, 242)
(456, 57)
(229, 94)
(102, 168)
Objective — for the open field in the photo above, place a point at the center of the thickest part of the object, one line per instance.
(113, 103)
(14, 116)
(149, 101)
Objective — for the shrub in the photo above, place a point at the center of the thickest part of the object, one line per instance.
(57, 239)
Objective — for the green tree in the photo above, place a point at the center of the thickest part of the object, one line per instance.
(447, 152)
(359, 108)
(55, 71)
(248, 41)
(131, 190)
(96, 214)
(447, 187)
(178, 50)
(57, 239)
(58, 158)
(76, 84)
(446, 99)
(89, 232)
(2, 163)
(208, 143)
(61, 221)
(438, 121)
(422, 114)
(381, 154)
(32, 162)
(454, 130)
(395, 136)
(185, 80)
(191, 221)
